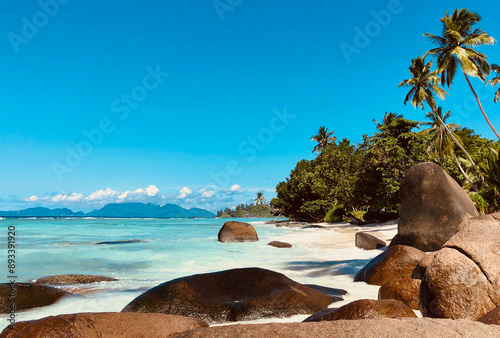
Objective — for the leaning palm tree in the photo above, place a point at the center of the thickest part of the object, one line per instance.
(442, 142)
(424, 85)
(323, 138)
(455, 48)
(260, 199)
(495, 81)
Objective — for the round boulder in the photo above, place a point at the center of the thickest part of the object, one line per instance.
(365, 309)
(72, 279)
(432, 206)
(28, 296)
(278, 244)
(231, 295)
(368, 242)
(422, 265)
(404, 290)
(454, 287)
(234, 231)
(397, 262)
(85, 325)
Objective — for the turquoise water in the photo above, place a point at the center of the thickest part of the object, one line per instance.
(161, 250)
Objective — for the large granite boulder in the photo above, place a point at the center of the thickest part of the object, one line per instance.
(94, 325)
(231, 295)
(380, 327)
(28, 296)
(405, 290)
(365, 309)
(432, 205)
(463, 279)
(397, 262)
(72, 279)
(492, 317)
(234, 231)
(366, 241)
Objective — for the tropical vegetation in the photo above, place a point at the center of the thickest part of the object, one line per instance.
(346, 179)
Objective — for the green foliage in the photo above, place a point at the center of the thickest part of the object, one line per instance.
(245, 210)
(336, 214)
(481, 204)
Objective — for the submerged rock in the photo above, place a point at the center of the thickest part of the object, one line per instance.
(234, 231)
(231, 295)
(278, 244)
(28, 296)
(110, 324)
(72, 279)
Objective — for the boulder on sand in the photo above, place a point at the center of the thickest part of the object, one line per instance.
(397, 262)
(365, 309)
(88, 325)
(234, 231)
(432, 206)
(368, 242)
(28, 296)
(231, 295)
(463, 279)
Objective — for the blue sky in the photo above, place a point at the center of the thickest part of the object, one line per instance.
(201, 103)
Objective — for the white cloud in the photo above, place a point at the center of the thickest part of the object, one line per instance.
(205, 193)
(100, 195)
(152, 191)
(184, 192)
(32, 199)
(73, 197)
(236, 189)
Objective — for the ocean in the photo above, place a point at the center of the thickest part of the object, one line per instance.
(159, 250)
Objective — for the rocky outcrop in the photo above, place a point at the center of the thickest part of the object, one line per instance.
(278, 244)
(397, 262)
(231, 295)
(404, 290)
(28, 296)
(365, 309)
(72, 279)
(94, 325)
(431, 207)
(234, 231)
(368, 242)
(463, 279)
(381, 327)
(422, 265)
(492, 317)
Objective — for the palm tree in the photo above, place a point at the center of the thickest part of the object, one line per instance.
(424, 84)
(495, 81)
(388, 119)
(442, 141)
(260, 199)
(455, 48)
(323, 138)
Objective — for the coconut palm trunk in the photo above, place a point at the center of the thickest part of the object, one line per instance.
(481, 106)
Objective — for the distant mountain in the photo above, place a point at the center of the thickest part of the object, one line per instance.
(42, 212)
(148, 210)
(138, 210)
